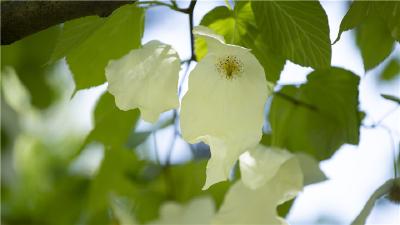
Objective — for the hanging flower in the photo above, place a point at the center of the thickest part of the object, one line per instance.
(147, 79)
(224, 104)
(270, 177)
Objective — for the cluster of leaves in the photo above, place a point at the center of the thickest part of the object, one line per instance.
(314, 118)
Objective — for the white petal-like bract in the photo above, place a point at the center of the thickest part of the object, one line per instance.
(145, 78)
(198, 211)
(255, 203)
(261, 164)
(224, 104)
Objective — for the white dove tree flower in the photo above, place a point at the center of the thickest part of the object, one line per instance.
(145, 78)
(224, 104)
(270, 177)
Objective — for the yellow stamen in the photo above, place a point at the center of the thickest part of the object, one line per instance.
(229, 66)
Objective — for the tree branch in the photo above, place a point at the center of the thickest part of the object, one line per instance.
(22, 18)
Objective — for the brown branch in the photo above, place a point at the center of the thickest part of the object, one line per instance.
(22, 18)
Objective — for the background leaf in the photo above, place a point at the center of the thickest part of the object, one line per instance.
(375, 42)
(298, 31)
(391, 70)
(356, 14)
(390, 12)
(111, 125)
(319, 116)
(29, 58)
(378, 28)
(119, 175)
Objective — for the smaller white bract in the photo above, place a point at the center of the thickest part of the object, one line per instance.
(224, 105)
(270, 177)
(198, 211)
(147, 79)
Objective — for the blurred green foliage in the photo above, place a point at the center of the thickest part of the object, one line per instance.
(42, 179)
(29, 57)
(378, 28)
(391, 70)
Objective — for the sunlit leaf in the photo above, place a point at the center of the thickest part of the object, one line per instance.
(319, 116)
(90, 42)
(73, 33)
(238, 27)
(298, 31)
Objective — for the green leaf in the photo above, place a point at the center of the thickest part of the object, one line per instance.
(112, 177)
(298, 31)
(392, 70)
(391, 98)
(381, 191)
(112, 126)
(375, 42)
(74, 33)
(319, 116)
(238, 27)
(137, 138)
(121, 175)
(186, 182)
(378, 27)
(29, 57)
(356, 14)
(90, 42)
(390, 12)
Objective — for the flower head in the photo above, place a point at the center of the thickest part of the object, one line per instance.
(224, 104)
(147, 79)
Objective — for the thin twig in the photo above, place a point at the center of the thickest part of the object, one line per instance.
(389, 131)
(378, 123)
(191, 10)
(155, 147)
(188, 11)
(157, 3)
(175, 136)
